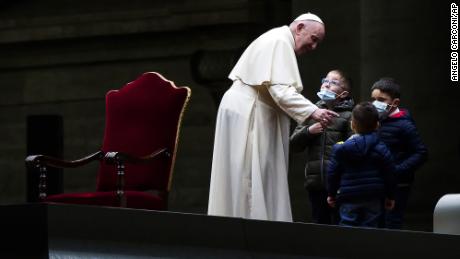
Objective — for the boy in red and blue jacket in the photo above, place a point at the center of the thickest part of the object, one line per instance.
(399, 133)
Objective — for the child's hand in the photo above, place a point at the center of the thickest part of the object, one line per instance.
(316, 128)
(331, 201)
(389, 204)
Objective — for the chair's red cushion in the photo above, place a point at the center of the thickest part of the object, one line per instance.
(134, 199)
(142, 117)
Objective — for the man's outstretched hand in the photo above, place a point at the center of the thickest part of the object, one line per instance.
(324, 116)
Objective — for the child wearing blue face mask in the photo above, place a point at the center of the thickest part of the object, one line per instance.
(399, 133)
(335, 95)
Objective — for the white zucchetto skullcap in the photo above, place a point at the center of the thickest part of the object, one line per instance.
(310, 17)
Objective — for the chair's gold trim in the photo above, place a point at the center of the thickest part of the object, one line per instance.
(189, 93)
(179, 123)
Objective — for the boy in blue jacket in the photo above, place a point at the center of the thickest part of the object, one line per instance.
(398, 132)
(361, 172)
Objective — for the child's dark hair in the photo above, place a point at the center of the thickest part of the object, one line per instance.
(365, 118)
(387, 85)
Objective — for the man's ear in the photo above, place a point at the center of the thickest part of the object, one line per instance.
(352, 126)
(396, 102)
(377, 126)
(299, 27)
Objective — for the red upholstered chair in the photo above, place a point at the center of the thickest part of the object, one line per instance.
(139, 149)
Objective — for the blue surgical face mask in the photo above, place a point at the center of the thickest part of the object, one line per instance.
(380, 106)
(326, 95)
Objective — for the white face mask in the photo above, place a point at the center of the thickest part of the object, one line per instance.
(380, 106)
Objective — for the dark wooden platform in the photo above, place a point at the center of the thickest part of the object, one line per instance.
(70, 231)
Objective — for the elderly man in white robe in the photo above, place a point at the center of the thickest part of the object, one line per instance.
(251, 146)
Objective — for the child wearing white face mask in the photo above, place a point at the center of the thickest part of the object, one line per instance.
(334, 94)
(399, 133)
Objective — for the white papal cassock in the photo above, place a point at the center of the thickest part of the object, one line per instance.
(251, 146)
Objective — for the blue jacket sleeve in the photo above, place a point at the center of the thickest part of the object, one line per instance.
(388, 173)
(334, 171)
(418, 151)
